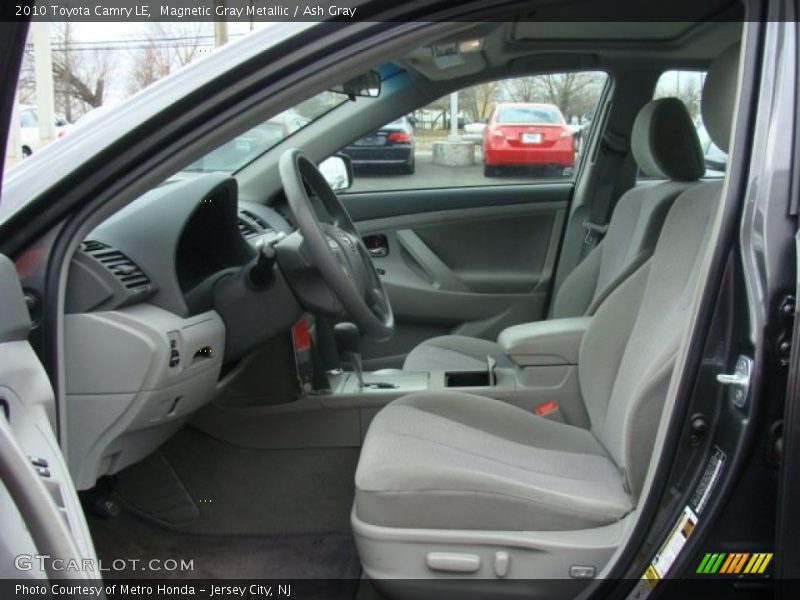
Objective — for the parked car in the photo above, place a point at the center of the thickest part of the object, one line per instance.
(390, 147)
(30, 135)
(473, 132)
(526, 134)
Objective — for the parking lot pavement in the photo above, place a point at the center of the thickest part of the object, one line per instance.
(428, 175)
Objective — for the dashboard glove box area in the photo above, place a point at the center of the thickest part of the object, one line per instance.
(133, 377)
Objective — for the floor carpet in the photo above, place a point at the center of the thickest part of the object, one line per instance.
(237, 513)
(238, 490)
(280, 557)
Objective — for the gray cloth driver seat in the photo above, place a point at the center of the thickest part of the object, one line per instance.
(665, 146)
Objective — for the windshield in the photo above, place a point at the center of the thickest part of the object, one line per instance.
(248, 146)
(529, 114)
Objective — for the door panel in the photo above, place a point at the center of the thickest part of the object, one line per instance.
(468, 261)
(36, 486)
(367, 206)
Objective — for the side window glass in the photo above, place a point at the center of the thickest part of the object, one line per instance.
(522, 130)
(687, 86)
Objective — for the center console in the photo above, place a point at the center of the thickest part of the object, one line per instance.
(545, 357)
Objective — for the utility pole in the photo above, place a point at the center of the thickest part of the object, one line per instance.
(454, 137)
(67, 71)
(220, 33)
(220, 28)
(43, 71)
(14, 148)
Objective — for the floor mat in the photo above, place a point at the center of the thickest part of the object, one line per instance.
(153, 489)
(244, 491)
(282, 557)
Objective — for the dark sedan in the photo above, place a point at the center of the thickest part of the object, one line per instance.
(390, 147)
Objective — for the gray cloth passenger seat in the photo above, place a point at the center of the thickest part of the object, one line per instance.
(453, 461)
(665, 146)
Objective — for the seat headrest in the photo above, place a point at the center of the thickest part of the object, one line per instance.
(719, 96)
(665, 142)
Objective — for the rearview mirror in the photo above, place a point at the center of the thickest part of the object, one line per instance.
(337, 171)
(367, 85)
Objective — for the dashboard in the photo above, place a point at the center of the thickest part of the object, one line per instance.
(159, 298)
(167, 243)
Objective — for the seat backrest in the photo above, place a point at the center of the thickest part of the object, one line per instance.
(665, 146)
(628, 352)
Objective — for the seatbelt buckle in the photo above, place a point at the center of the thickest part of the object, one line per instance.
(549, 410)
(594, 232)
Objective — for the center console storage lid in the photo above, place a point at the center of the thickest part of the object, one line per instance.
(543, 343)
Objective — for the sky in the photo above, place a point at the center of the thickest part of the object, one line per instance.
(123, 34)
(115, 31)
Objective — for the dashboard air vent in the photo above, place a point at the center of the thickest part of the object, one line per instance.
(262, 224)
(91, 246)
(246, 228)
(119, 265)
(250, 224)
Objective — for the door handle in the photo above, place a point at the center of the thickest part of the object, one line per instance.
(377, 245)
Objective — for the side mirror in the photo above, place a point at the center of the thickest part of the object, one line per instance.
(716, 163)
(337, 171)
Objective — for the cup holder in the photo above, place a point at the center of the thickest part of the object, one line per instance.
(467, 379)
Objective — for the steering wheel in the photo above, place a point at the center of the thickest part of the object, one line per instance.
(336, 248)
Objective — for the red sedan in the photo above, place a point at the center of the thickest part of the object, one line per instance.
(524, 134)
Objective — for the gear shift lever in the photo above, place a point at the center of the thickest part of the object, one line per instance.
(349, 341)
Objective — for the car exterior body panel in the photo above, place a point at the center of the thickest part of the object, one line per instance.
(392, 145)
(527, 134)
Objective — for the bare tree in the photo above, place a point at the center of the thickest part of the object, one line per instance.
(522, 89)
(573, 93)
(79, 75)
(690, 95)
(26, 86)
(168, 47)
(478, 101)
(686, 88)
(150, 64)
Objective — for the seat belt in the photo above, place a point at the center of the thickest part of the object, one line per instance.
(615, 150)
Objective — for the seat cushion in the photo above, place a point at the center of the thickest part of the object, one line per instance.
(454, 353)
(458, 461)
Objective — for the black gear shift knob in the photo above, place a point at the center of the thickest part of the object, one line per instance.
(347, 337)
(349, 341)
(261, 272)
